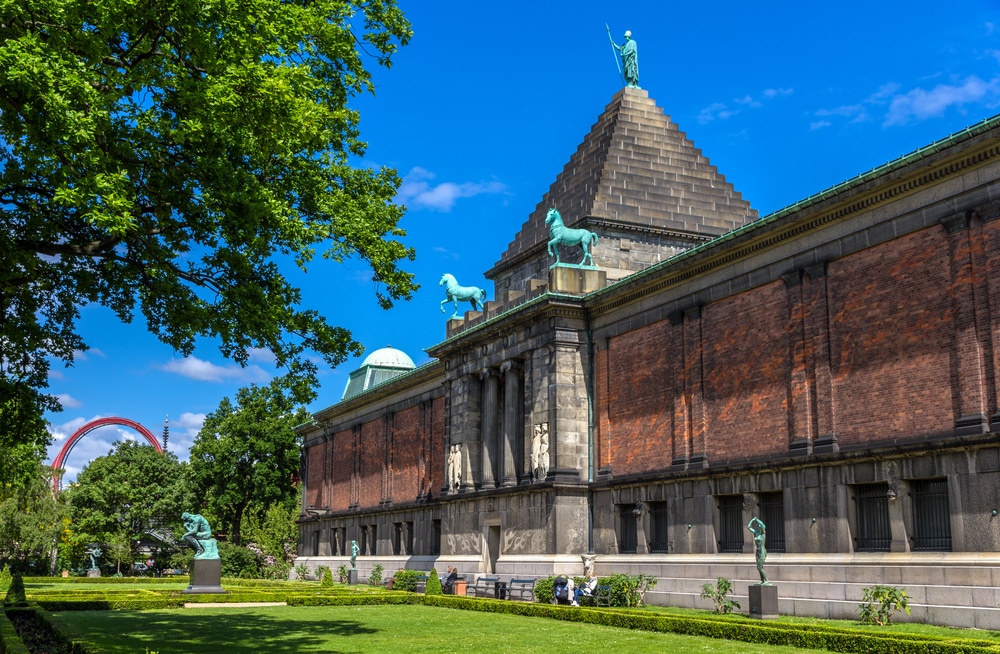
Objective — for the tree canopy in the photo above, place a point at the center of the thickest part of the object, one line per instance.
(246, 454)
(132, 491)
(163, 157)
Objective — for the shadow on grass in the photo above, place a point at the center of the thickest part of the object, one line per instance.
(187, 631)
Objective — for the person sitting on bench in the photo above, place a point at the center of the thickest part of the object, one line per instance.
(586, 589)
(449, 581)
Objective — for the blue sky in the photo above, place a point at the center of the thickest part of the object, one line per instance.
(484, 107)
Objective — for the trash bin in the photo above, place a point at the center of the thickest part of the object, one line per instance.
(500, 590)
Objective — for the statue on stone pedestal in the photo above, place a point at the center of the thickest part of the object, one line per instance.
(759, 531)
(559, 234)
(94, 555)
(540, 461)
(355, 550)
(455, 293)
(630, 59)
(199, 536)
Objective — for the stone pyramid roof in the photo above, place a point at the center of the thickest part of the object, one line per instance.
(635, 169)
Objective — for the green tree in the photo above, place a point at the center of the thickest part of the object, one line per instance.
(274, 528)
(132, 491)
(165, 157)
(247, 453)
(32, 522)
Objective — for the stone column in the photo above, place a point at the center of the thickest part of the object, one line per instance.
(491, 392)
(512, 399)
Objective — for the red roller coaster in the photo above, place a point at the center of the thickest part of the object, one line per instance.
(67, 447)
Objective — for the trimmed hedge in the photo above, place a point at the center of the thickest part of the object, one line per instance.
(9, 642)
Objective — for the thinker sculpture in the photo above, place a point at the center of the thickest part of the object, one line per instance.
(559, 234)
(759, 531)
(354, 553)
(455, 293)
(199, 536)
(630, 59)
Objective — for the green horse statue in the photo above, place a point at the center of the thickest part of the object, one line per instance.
(455, 293)
(559, 234)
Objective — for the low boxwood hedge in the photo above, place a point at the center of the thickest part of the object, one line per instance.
(9, 641)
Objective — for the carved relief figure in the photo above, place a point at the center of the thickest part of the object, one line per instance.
(455, 467)
(543, 451)
(536, 450)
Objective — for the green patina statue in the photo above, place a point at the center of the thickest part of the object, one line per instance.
(759, 531)
(94, 555)
(199, 536)
(559, 234)
(455, 293)
(354, 553)
(630, 59)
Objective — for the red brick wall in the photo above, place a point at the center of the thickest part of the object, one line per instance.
(436, 437)
(888, 344)
(746, 371)
(892, 332)
(314, 475)
(373, 462)
(407, 454)
(635, 387)
(343, 468)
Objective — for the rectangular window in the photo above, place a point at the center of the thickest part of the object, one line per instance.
(931, 518)
(871, 504)
(627, 538)
(364, 540)
(772, 513)
(373, 540)
(435, 544)
(315, 542)
(397, 538)
(658, 543)
(730, 523)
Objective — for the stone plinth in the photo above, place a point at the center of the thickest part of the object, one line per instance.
(763, 601)
(206, 577)
(93, 572)
(352, 577)
(576, 280)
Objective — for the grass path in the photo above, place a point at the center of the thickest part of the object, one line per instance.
(371, 629)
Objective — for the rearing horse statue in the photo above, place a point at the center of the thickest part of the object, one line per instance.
(559, 234)
(455, 293)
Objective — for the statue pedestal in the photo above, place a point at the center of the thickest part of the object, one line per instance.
(576, 280)
(763, 601)
(93, 572)
(352, 577)
(206, 577)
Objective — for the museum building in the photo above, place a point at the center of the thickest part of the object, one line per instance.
(831, 368)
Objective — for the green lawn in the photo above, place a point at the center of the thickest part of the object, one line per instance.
(375, 629)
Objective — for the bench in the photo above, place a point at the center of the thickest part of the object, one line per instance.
(601, 597)
(524, 588)
(484, 587)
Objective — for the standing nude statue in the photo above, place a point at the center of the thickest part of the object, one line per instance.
(759, 531)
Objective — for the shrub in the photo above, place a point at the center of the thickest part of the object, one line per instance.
(375, 576)
(718, 595)
(342, 574)
(433, 583)
(302, 572)
(237, 561)
(5, 578)
(15, 594)
(406, 580)
(543, 590)
(628, 590)
(326, 577)
(879, 603)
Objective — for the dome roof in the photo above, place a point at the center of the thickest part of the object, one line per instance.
(388, 357)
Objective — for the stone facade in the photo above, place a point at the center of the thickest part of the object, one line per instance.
(832, 368)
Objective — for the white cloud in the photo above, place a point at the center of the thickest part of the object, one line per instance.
(84, 355)
(68, 401)
(417, 190)
(716, 110)
(722, 111)
(920, 104)
(773, 93)
(261, 354)
(819, 124)
(195, 368)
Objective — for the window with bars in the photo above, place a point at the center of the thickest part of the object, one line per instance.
(730, 523)
(435, 544)
(658, 543)
(871, 504)
(931, 517)
(627, 538)
(772, 513)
